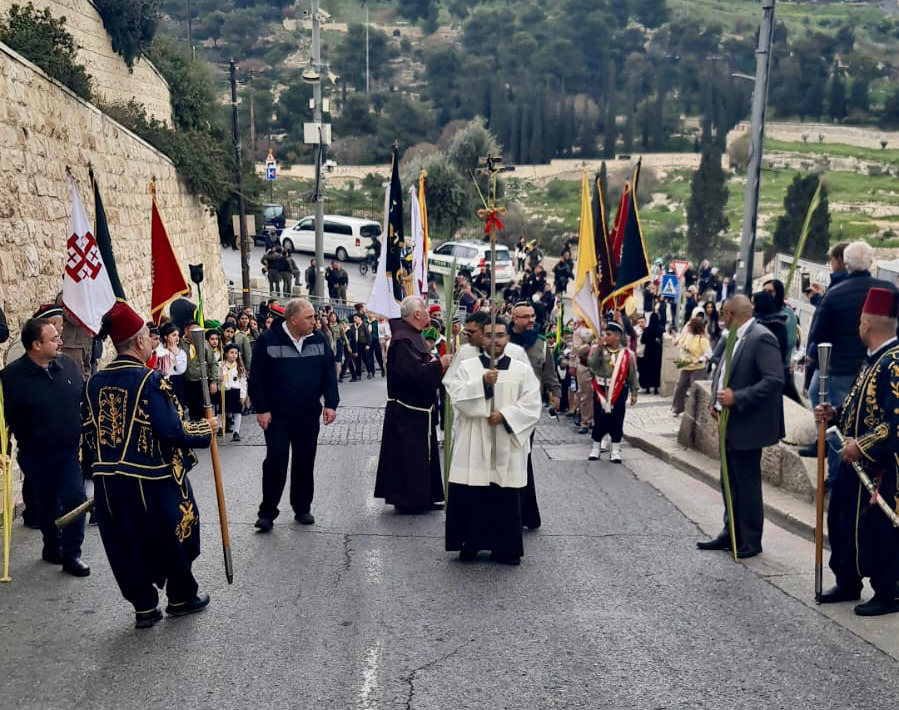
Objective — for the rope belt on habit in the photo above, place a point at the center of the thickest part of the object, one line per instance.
(428, 410)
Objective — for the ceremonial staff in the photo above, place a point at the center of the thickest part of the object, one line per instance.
(823, 370)
(196, 275)
(491, 166)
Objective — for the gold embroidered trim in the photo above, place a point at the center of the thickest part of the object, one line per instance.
(111, 420)
(189, 519)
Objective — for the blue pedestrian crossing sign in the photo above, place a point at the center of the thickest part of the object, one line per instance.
(669, 286)
(271, 171)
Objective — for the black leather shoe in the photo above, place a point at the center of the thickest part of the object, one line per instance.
(747, 551)
(305, 518)
(877, 606)
(54, 557)
(722, 542)
(264, 525)
(467, 554)
(76, 567)
(146, 619)
(505, 559)
(840, 594)
(198, 603)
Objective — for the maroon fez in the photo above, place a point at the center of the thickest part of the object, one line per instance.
(124, 323)
(881, 302)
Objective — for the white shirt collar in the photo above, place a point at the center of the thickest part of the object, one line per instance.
(741, 331)
(298, 342)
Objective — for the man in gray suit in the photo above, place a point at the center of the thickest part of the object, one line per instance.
(755, 400)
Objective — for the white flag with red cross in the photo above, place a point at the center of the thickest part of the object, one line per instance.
(86, 289)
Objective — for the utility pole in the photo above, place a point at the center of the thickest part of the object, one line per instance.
(757, 137)
(241, 207)
(366, 50)
(252, 117)
(317, 120)
(190, 30)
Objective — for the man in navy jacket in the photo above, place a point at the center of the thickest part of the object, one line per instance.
(293, 371)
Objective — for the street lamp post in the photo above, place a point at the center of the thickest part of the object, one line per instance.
(757, 137)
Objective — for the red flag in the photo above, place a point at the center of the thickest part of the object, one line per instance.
(168, 280)
(616, 236)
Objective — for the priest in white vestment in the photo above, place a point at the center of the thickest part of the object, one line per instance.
(495, 412)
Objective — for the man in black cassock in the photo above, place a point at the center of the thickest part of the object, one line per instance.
(409, 475)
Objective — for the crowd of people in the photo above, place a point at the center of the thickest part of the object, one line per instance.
(131, 425)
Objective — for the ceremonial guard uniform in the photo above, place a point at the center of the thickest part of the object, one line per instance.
(863, 540)
(614, 369)
(139, 451)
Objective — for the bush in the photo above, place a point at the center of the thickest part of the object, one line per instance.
(131, 25)
(199, 157)
(41, 39)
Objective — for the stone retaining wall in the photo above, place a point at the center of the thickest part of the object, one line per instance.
(44, 127)
(112, 81)
(781, 464)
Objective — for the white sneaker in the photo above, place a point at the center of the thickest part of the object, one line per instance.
(615, 456)
(594, 452)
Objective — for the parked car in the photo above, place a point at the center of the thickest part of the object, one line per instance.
(273, 216)
(470, 256)
(344, 237)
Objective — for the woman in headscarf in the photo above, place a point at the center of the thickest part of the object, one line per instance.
(791, 321)
(767, 313)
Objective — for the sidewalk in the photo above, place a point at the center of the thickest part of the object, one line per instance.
(649, 426)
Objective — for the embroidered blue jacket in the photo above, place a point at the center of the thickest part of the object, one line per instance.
(133, 427)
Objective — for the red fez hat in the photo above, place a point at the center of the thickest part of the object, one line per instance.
(123, 322)
(434, 308)
(277, 309)
(881, 302)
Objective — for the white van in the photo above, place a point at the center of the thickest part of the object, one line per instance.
(344, 237)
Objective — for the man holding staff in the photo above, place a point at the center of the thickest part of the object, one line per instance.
(863, 540)
(138, 449)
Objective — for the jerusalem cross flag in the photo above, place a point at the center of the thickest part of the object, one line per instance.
(86, 289)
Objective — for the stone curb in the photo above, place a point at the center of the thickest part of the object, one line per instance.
(785, 510)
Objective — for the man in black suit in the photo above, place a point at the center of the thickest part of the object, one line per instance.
(753, 394)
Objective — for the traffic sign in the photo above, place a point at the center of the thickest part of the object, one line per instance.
(670, 286)
(271, 171)
(680, 268)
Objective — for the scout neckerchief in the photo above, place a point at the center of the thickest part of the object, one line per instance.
(617, 380)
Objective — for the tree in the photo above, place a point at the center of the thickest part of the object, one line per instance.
(349, 56)
(356, 117)
(131, 25)
(836, 99)
(447, 192)
(890, 116)
(708, 198)
(789, 225)
(193, 103)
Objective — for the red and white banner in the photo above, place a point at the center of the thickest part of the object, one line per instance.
(86, 289)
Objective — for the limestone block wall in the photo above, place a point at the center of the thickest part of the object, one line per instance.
(43, 128)
(111, 79)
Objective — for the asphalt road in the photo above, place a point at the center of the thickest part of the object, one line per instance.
(612, 607)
